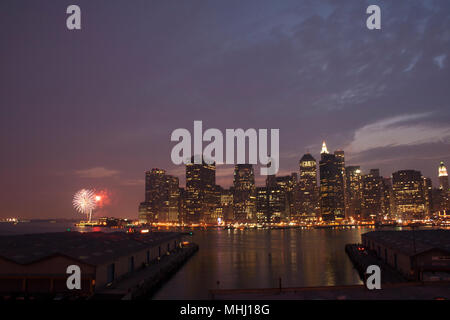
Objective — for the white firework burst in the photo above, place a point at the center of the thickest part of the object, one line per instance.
(84, 201)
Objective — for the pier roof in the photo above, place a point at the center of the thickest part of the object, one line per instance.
(412, 242)
(90, 247)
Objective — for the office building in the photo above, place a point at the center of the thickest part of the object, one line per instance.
(442, 195)
(161, 198)
(353, 190)
(409, 196)
(332, 196)
(244, 197)
(372, 195)
(307, 191)
(201, 199)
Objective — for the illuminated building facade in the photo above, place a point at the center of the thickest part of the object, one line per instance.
(145, 214)
(182, 206)
(201, 196)
(281, 197)
(276, 204)
(162, 198)
(226, 203)
(170, 207)
(244, 198)
(331, 185)
(387, 204)
(341, 185)
(443, 194)
(308, 192)
(353, 191)
(409, 193)
(216, 208)
(148, 210)
(262, 205)
(428, 195)
(273, 199)
(372, 195)
(154, 184)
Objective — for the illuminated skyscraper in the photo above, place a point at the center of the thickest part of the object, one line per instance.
(244, 198)
(324, 148)
(226, 202)
(182, 206)
(154, 184)
(281, 198)
(162, 198)
(308, 191)
(340, 187)
(428, 195)
(200, 192)
(262, 205)
(145, 213)
(331, 185)
(372, 195)
(388, 198)
(443, 194)
(409, 196)
(171, 205)
(276, 203)
(215, 205)
(353, 191)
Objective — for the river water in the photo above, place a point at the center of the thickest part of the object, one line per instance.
(238, 259)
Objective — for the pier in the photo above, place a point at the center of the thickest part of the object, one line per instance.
(144, 282)
(361, 259)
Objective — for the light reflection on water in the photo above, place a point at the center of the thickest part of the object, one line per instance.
(235, 259)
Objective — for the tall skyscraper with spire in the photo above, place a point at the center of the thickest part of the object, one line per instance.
(331, 168)
(324, 148)
(443, 177)
(443, 192)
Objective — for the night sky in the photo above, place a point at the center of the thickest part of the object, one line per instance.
(95, 108)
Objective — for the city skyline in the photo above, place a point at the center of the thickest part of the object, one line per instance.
(226, 171)
(260, 180)
(327, 190)
(94, 108)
